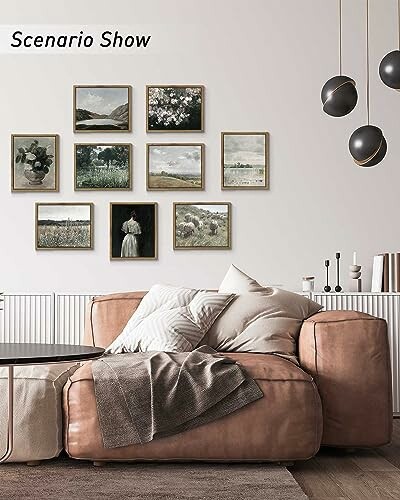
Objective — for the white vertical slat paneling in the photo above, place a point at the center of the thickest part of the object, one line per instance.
(27, 318)
(70, 317)
(382, 305)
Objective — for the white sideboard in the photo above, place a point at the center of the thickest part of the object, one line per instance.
(59, 318)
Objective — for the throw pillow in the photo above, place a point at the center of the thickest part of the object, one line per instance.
(171, 327)
(261, 319)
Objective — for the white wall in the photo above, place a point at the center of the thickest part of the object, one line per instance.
(263, 63)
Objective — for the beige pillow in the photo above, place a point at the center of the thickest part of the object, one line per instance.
(176, 325)
(260, 319)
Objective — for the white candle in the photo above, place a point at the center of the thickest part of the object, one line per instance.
(354, 258)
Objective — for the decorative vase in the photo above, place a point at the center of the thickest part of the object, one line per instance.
(34, 177)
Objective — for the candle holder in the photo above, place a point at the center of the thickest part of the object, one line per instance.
(338, 288)
(355, 283)
(327, 287)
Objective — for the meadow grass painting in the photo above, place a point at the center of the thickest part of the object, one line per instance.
(202, 225)
(175, 166)
(103, 166)
(64, 226)
(244, 160)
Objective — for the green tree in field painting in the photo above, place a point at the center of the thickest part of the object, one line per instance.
(117, 155)
(101, 166)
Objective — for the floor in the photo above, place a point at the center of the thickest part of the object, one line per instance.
(362, 475)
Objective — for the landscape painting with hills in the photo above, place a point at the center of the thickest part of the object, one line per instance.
(105, 108)
(175, 166)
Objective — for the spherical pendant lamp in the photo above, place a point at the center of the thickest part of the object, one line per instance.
(367, 144)
(339, 94)
(389, 68)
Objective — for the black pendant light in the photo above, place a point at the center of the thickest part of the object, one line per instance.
(367, 144)
(389, 69)
(339, 94)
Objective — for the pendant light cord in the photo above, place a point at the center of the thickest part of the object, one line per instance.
(368, 61)
(340, 36)
(398, 16)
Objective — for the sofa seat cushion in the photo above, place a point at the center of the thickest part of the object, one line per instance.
(37, 410)
(286, 424)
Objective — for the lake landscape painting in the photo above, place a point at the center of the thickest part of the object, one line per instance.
(64, 226)
(102, 108)
(103, 166)
(202, 225)
(175, 166)
(244, 160)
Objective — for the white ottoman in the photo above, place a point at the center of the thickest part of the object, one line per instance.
(37, 411)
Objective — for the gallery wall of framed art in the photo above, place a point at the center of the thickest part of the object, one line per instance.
(108, 166)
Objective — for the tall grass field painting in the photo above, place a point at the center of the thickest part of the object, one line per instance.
(64, 226)
(103, 166)
(175, 166)
(202, 225)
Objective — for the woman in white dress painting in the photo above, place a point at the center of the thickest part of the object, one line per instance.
(130, 244)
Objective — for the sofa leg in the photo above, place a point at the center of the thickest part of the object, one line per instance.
(33, 463)
(97, 463)
(286, 463)
(350, 450)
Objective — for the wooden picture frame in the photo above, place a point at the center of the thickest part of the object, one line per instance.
(145, 238)
(105, 121)
(103, 177)
(204, 228)
(63, 226)
(184, 181)
(186, 113)
(26, 180)
(254, 176)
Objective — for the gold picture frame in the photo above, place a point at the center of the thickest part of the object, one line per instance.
(109, 144)
(101, 130)
(255, 169)
(200, 121)
(117, 221)
(181, 182)
(223, 230)
(69, 224)
(55, 164)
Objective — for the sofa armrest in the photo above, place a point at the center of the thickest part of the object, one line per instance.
(347, 353)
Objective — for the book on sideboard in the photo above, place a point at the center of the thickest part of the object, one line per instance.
(386, 272)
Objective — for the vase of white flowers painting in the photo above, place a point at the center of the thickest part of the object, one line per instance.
(34, 163)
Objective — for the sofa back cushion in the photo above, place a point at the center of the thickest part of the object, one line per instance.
(107, 316)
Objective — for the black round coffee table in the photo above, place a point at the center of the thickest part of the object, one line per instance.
(36, 354)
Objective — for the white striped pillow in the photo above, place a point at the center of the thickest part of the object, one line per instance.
(171, 327)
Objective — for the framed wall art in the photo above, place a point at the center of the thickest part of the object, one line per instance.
(202, 225)
(175, 108)
(102, 166)
(34, 162)
(64, 226)
(175, 166)
(133, 231)
(102, 108)
(244, 160)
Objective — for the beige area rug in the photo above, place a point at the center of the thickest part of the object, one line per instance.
(74, 480)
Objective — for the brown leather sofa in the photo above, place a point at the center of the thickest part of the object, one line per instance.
(340, 396)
